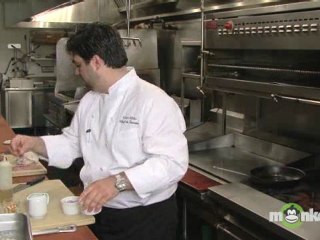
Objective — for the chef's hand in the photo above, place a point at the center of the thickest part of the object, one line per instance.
(98, 193)
(21, 144)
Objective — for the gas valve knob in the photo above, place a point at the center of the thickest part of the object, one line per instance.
(229, 25)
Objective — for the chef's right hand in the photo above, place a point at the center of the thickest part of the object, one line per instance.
(21, 144)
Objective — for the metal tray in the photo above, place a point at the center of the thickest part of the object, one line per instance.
(231, 157)
(15, 226)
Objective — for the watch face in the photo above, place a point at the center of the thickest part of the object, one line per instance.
(120, 183)
(122, 186)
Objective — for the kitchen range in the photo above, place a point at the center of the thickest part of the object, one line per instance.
(252, 93)
(269, 55)
(240, 206)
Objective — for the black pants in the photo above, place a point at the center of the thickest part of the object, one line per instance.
(156, 221)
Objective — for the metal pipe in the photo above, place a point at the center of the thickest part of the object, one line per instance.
(182, 95)
(224, 114)
(202, 45)
(200, 88)
(128, 17)
(275, 97)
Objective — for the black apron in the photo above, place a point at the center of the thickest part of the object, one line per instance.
(156, 221)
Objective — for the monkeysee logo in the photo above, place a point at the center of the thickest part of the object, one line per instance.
(292, 215)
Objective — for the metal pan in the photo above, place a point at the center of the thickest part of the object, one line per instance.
(276, 176)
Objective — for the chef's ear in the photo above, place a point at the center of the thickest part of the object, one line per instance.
(97, 62)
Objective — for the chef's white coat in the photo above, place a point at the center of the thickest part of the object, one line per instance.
(136, 128)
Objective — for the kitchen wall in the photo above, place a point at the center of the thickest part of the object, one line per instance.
(21, 36)
(9, 36)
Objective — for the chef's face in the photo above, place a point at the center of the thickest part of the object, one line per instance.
(85, 70)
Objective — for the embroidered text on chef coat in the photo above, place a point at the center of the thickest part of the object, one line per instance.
(129, 120)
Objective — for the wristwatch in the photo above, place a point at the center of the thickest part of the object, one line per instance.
(121, 184)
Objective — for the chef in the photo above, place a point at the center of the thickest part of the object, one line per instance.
(130, 135)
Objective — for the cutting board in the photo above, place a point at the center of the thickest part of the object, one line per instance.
(36, 168)
(55, 217)
(198, 181)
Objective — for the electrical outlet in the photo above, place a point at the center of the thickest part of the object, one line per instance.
(14, 45)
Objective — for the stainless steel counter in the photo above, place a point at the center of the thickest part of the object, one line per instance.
(256, 206)
(238, 154)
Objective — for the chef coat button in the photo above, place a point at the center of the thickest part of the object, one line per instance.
(101, 169)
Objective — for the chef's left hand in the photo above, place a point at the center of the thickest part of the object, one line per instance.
(98, 193)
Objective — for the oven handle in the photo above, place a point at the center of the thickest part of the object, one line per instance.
(222, 227)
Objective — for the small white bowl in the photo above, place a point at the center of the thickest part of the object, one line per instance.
(70, 205)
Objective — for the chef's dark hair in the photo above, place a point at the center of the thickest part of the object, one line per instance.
(97, 39)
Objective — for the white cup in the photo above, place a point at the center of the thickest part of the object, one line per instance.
(86, 211)
(70, 205)
(93, 212)
(38, 204)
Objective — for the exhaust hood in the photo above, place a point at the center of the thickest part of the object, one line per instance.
(22, 10)
(59, 13)
(136, 4)
(64, 14)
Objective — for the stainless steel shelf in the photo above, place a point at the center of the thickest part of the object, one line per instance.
(261, 88)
